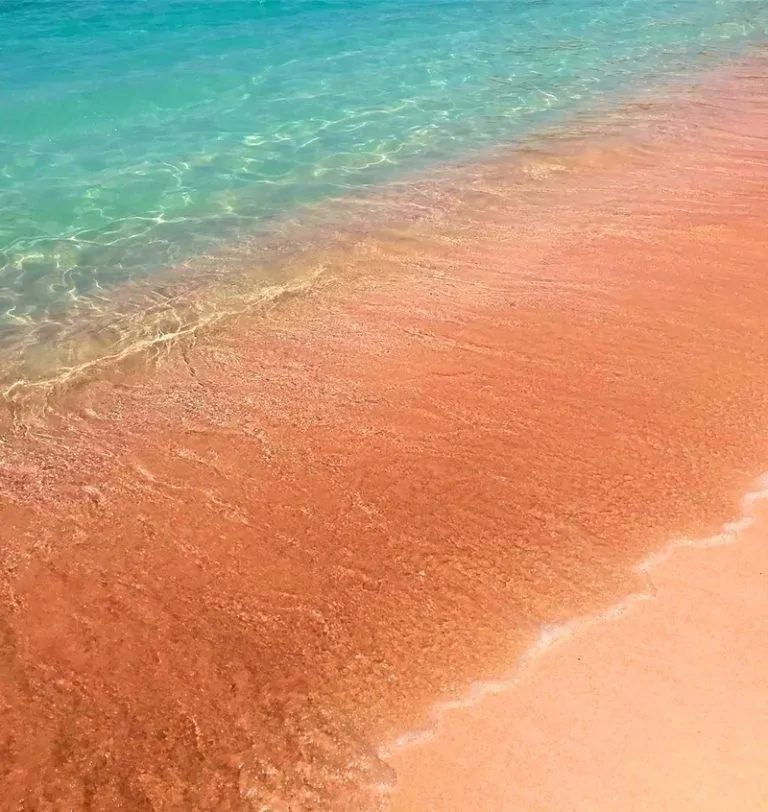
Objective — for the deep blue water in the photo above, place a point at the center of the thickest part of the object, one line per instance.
(134, 133)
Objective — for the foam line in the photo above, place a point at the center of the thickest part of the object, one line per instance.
(553, 635)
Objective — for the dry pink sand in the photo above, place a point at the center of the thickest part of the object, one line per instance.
(664, 708)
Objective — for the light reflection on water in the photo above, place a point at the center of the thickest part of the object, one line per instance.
(136, 136)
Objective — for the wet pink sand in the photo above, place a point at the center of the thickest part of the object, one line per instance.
(663, 708)
(233, 572)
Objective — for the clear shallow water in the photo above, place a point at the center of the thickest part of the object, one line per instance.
(228, 583)
(136, 134)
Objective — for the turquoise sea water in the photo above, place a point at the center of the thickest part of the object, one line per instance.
(134, 134)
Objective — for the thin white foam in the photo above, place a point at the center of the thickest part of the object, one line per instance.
(551, 636)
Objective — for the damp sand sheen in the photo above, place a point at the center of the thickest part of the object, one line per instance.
(498, 417)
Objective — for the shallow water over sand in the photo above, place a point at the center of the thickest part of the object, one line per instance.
(230, 574)
(135, 136)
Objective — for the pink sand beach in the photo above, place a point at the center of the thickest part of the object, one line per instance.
(661, 707)
(238, 567)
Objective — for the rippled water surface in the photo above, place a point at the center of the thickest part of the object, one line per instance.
(135, 134)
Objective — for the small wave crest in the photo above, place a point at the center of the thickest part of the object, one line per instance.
(552, 636)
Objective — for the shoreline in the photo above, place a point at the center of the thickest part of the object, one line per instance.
(512, 745)
(124, 327)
